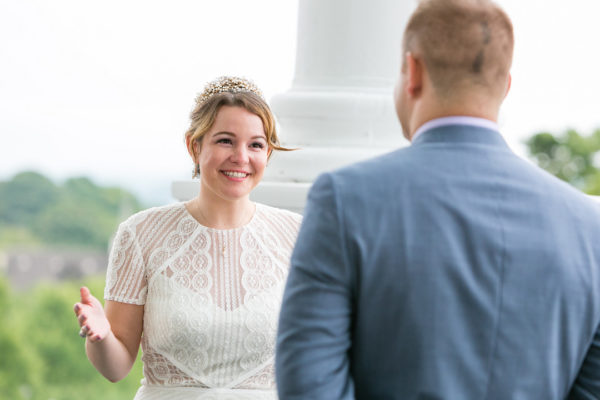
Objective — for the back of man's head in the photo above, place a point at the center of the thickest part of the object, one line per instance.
(466, 45)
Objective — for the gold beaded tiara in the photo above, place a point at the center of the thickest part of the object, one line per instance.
(231, 84)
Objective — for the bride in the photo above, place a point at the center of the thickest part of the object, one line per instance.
(199, 284)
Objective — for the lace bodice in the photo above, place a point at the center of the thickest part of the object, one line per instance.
(211, 296)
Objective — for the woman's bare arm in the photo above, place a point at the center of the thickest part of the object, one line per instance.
(113, 334)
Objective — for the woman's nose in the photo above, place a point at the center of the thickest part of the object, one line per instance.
(239, 155)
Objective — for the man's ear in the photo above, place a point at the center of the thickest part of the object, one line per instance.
(414, 75)
(508, 85)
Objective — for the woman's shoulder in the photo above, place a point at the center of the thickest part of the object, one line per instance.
(279, 215)
(154, 215)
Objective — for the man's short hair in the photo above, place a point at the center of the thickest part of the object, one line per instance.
(464, 43)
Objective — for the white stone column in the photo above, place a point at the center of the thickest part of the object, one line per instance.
(340, 108)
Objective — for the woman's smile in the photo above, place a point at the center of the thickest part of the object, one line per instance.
(237, 176)
(233, 154)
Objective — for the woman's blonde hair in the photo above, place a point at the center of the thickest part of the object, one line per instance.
(234, 92)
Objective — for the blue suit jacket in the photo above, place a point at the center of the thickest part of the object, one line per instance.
(450, 269)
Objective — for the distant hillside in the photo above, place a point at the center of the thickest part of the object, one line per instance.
(36, 212)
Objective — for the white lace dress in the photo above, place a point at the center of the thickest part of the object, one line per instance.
(211, 300)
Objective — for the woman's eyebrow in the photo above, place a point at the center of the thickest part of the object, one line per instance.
(226, 133)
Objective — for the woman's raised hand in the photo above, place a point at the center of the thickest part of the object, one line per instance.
(91, 317)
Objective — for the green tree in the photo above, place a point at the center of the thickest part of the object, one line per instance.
(19, 364)
(570, 156)
(77, 213)
(42, 355)
(111, 199)
(73, 223)
(24, 197)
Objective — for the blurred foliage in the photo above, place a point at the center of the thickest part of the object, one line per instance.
(34, 211)
(42, 356)
(41, 353)
(570, 156)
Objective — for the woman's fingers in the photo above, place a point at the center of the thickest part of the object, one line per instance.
(94, 338)
(83, 331)
(86, 295)
(86, 332)
(88, 299)
(90, 316)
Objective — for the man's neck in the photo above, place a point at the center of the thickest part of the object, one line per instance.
(428, 110)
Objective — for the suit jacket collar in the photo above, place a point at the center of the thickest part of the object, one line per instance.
(461, 134)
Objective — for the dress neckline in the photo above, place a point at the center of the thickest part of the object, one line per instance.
(248, 224)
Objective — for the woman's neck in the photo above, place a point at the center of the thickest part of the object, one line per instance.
(219, 213)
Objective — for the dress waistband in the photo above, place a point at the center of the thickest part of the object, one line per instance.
(148, 392)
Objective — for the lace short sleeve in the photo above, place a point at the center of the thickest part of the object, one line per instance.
(126, 275)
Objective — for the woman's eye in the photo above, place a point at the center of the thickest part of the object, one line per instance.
(224, 140)
(258, 145)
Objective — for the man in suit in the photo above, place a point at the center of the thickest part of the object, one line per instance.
(449, 269)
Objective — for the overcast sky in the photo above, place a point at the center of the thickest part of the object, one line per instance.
(104, 89)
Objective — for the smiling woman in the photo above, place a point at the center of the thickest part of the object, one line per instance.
(230, 139)
(201, 280)
(232, 155)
